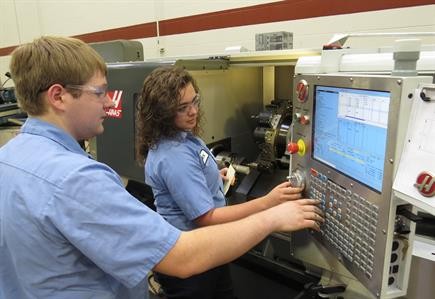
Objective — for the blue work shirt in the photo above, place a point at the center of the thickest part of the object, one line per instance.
(185, 180)
(68, 227)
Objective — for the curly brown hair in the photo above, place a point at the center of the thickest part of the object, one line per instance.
(157, 105)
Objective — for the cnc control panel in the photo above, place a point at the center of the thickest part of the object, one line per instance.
(346, 138)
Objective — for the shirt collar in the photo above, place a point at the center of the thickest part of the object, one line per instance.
(39, 127)
(184, 134)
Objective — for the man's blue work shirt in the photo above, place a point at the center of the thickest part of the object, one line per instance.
(185, 180)
(68, 227)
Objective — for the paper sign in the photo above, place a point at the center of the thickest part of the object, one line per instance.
(230, 178)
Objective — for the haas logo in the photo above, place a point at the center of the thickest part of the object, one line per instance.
(116, 110)
(425, 184)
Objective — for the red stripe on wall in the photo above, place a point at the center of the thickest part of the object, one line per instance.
(130, 32)
(6, 51)
(278, 11)
(258, 14)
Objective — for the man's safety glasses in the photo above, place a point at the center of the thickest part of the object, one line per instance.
(100, 92)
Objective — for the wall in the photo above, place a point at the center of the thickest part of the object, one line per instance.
(178, 28)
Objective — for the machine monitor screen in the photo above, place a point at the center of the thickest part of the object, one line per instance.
(350, 132)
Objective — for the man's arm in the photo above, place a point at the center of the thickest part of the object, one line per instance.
(205, 248)
(281, 193)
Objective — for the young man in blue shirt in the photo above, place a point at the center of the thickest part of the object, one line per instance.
(68, 227)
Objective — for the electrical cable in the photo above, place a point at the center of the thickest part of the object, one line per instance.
(7, 74)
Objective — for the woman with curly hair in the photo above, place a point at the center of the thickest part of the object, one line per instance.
(184, 176)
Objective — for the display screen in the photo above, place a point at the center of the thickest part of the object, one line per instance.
(350, 132)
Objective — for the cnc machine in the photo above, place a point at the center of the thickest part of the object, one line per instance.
(334, 122)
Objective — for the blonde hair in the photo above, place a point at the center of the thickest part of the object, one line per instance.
(51, 60)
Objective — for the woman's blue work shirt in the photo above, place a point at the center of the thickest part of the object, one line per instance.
(185, 180)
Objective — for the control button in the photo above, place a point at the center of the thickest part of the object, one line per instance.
(395, 245)
(313, 171)
(292, 148)
(304, 120)
(298, 147)
(302, 91)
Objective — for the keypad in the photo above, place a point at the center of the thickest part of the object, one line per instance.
(350, 221)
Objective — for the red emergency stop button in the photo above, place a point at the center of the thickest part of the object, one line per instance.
(292, 147)
(298, 147)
